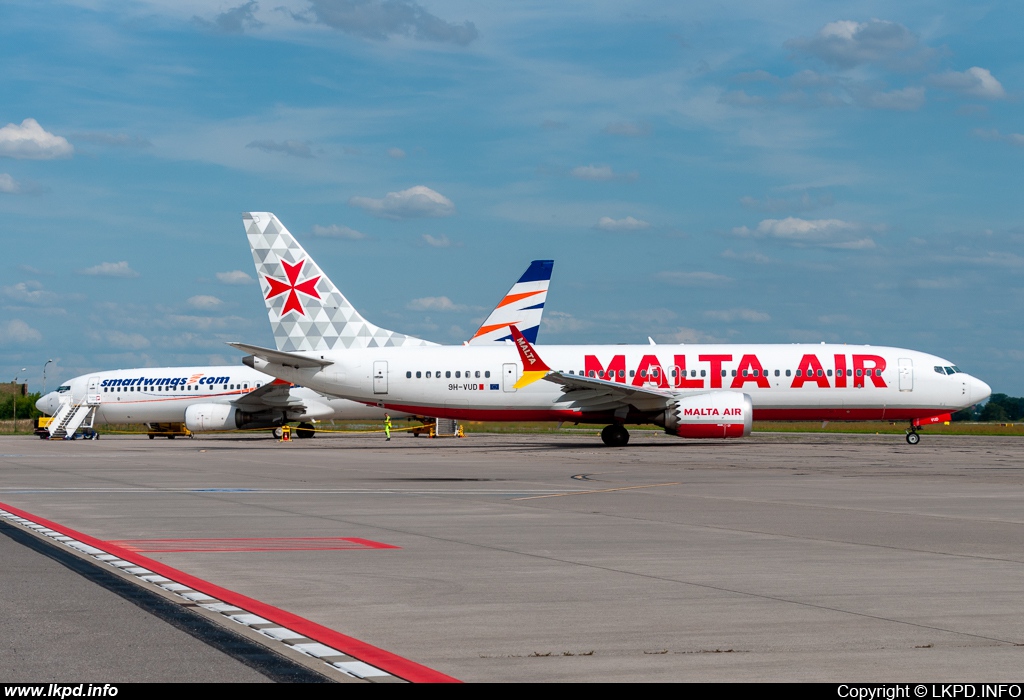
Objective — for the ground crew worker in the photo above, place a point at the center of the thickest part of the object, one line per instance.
(387, 426)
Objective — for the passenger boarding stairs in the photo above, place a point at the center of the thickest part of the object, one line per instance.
(70, 417)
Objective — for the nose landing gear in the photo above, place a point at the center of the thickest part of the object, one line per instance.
(912, 437)
(615, 435)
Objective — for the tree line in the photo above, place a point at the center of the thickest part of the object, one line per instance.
(999, 408)
(26, 406)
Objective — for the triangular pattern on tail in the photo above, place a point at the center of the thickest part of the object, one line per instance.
(523, 307)
(307, 312)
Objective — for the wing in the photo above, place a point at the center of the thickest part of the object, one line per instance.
(276, 394)
(591, 394)
(279, 357)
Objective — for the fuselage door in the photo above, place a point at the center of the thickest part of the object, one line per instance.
(94, 393)
(509, 376)
(906, 374)
(380, 377)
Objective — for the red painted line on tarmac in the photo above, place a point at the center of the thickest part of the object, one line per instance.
(384, 660)
(252, 544)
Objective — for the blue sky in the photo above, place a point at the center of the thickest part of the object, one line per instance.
(739, 172)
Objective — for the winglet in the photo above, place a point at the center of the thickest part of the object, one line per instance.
(533, 367)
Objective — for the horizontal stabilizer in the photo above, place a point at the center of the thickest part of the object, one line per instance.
(279, 357)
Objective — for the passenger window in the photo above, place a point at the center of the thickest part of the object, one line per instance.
(477, 374)
(787, 372)
(828, 372)
(632, 373)
(419, 375)
(776, 373)
(487, 374)
(849, 373)
(458, 374)
(734, 373)
(428, 375)
(799, 373)
(622, 374)
(859, 373)
(643, 374)
(573, 372)
(590, 373)
(820, 373)
(448, 374)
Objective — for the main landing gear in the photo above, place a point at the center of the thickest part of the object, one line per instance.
(305, 430)
(615, 435)
(912, 437)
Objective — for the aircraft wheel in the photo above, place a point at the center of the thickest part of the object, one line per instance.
(615, 435)
(152, 437)
(278, 432)
(305, 430)
(913, 438)
(170, 437)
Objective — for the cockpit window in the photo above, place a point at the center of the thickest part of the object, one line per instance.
(956, 369)
(62, 389)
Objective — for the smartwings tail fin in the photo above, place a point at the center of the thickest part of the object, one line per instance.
(306, 310)
(522, 306)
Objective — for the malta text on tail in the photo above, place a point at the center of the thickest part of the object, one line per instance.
(306, 310)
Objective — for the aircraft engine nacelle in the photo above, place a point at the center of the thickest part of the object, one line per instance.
(212, 416)
(717, 414)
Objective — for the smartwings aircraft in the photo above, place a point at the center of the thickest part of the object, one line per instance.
(229, 398)
(693, 391)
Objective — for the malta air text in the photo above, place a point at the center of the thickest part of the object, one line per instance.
(833, 371)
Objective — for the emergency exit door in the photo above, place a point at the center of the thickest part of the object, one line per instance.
(509, 376)
(906, 374)
(380, 377)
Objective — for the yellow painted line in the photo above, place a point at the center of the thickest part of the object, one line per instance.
(580, 493)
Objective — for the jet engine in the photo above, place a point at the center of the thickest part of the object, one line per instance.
(213, 416)
(717, 414)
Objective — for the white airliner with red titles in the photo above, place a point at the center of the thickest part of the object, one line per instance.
(693, 391)
(239, 398)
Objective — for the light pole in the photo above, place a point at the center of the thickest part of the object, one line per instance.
(14, 401)
(44, 375)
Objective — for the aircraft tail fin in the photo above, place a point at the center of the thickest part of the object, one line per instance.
(306, 310)
(523, 307)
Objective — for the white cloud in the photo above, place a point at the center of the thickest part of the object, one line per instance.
(415, 202)
(606, 223)
(17, 332)
(120, 339)
(628, 129)
(234, 277)
(109, 269)
(807, 200)
(434, 304)
(693, 279)
(593, 172)
(294, 148)
(30, 292)
(846, 43)
(8, 184)
(692, 335)
(396, 153)
(233, 21)
(905, 100)
(730, 315)
(31, 141)
(381, 19)
(204, 301)
(562, 322)
(600, 173)
(441, 241)
(747, 256)
(827, 233)
(973, 82)
(335, 231)
(995, 135)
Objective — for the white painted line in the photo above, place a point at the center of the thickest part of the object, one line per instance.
(357, 669)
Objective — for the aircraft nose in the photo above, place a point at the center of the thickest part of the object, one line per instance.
(979, 390)
(43, 404)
